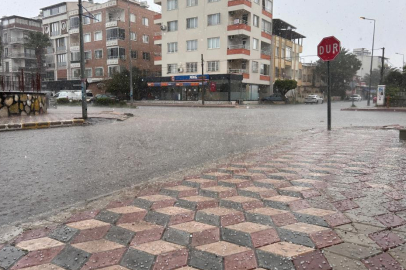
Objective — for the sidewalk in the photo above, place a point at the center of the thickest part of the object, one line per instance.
(60, 117)
(376, 109)
(326, 201)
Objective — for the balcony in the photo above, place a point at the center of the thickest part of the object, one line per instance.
(55, 33)
(73, 31)
(20, 55)
(74, 64)
(264, 78)
(61, 49)
(157, 38)
(245, 73)
(111, 24)
(158, 2)
(266, 54)
(50, 65)
(158, 59)
(267, 12)
(61, 64)
(74, 47)
(15, 40)
(266, 34)
(238, 24)
(239, 49)
(112, 42)
(232, 3)
(157, 17)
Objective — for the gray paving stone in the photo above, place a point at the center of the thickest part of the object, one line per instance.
(177, 236)
(399, 254)
(9, 255)
(63, 233)
(107, 216)
(119, 235)
(71, 258)
(136, 260)
(359, 239)
(353, 251)
(205, 260)
(343, 263)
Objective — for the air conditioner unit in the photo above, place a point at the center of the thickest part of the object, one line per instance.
(144, 4)
(180, 70)
(163, 27)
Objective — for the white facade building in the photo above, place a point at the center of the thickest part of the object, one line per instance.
(364, 56)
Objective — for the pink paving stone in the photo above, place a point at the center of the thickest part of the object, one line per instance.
(172, 184)
(155, 201)
(199, 183)
(235, 183)
(91, 234)
(337, 219)
(345, 205)
(170, 216)
(83, 216)
(250, 176)
(352, 194)
(220, 216)
(394, 206)
(390, 220)
(297, 191)
(33, 234)
(180, 191)
(286, 203)
(243, 164)
(104, 259)
(197, 202)
(325, 238)
(395, 195)
(271, 216)
(231, 170)
(284, 176)
(218, 192)
(259, 235)
(38, 257)
(257, 192)
(382, 261)
(116, 204)
(192, 233)
(271, 183)
(262, 170)
(129, 214)
(386, 239)
(322, 217)
(309, 183)
(144, 232)
(191, 177)
(313, 260)
(274, 165)
(217, 176)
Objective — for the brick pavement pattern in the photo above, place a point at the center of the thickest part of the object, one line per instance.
(327, 201)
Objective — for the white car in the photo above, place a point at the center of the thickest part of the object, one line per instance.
(313, 99)
(355, 98)
(69, 95)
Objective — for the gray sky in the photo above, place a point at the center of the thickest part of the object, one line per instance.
(314, 19)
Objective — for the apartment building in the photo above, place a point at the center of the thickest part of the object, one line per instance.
(18, 63)
(288, 45)
(121, 31)
(311, 82)
(234, 37)
(364, 55)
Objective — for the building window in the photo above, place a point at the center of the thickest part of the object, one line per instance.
(213, 19)
(98, 54)
(254, 67)
(145, 38)
(256, 1)
(88, 55)
(212, 65)
(54, 29)
(133, 36)
(191, 23)
(172, 4)
(98, 36)
(191, 45)
(76, 73)
(266, 27)
(61, 60)
(256, 21)
(191, 67)
(115, 33)
(172, 68)
(88, 73)
(145, 21)
(267, 5)
(116, 53)
(172, 26)
(113, 70)
(74, 22)
(86, 20)
(172, 47)
(132, 18)
(87, 38)
(211, 1)
(74, 57)
(288, 56)
(264, 70)
(60, 44)
(277, 52)
(98, 72)
(134, 54)
(255, 44)
(146, 56)
(213, 43)
(97, 18)
(192, 3)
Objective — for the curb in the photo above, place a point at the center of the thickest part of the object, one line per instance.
(41, 125)
(186, 105)
(375, 110)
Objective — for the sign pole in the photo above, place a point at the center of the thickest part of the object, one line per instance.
(328, 97)
(203, 89)
(82, 62)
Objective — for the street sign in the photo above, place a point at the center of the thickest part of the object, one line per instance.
(328, 48)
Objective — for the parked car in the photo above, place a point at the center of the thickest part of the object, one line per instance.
(89, 95)
(313, 99)
(355, 98)
(273, 97)
(69, 95)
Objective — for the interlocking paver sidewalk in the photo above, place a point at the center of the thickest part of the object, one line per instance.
(327, 201)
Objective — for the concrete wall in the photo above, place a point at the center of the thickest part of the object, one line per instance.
(19, 103)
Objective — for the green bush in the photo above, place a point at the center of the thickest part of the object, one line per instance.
(104, 102)
(62, 101)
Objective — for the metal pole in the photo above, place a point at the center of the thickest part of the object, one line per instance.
(203, 89)
(82, 62)
(328, 97)
(382, 65)
(129, 57)
(370, 72)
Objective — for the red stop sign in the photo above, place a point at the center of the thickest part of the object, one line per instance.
(328, 48)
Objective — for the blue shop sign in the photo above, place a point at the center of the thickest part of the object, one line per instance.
(190, 78)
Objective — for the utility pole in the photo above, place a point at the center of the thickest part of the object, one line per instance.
(129, 57)
(203, 88)
(382, 65)
(82, 61)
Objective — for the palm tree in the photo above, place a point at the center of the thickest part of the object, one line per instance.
(38, 42)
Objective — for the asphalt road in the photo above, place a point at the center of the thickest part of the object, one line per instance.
(41, 170)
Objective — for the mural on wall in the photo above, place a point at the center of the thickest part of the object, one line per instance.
(17, 103)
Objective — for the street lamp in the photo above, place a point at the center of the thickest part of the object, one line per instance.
(372, 59)
(403, 60)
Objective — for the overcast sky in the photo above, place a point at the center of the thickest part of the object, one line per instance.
(314, 19)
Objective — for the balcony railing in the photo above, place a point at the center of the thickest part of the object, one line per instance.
(50, 65)
(239, 46)
(15, 40)
(61, 64)
(239, 2)
(20, 55)
(116, 57)
(237, 71)
(239, 21)
(55, 33)
(74, 44)
(266, 52)
(61, 48)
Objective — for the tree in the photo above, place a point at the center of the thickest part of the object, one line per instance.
(395, 82)
(37, 41)
(342, 71)
(376, 78)
(284, 86)
(119, 84)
